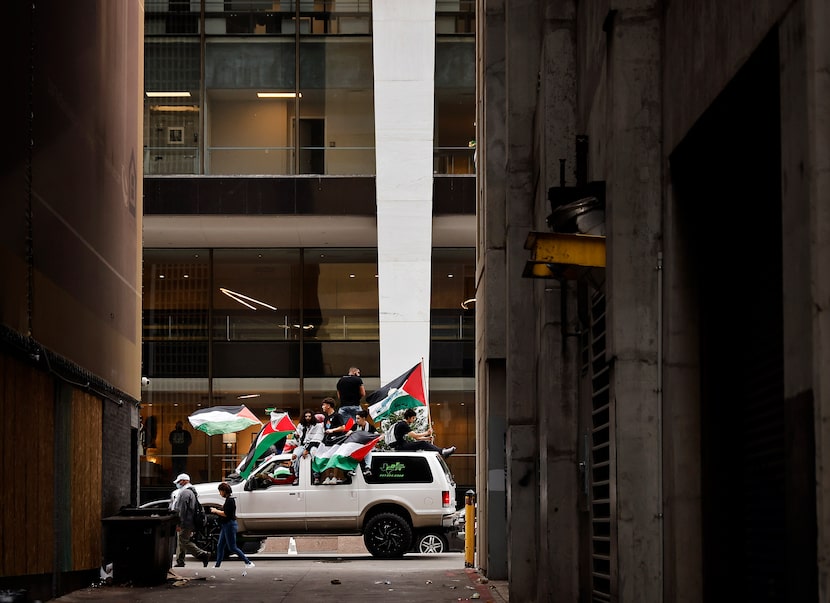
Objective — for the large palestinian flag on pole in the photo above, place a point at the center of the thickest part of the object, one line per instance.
(272, 432)
(346, 454)
(223, 419)
(406, 391)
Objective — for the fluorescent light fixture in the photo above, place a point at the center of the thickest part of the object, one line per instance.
(241, 299)
(279, 94)
(180, 94)
(246, 396)
(174, 108)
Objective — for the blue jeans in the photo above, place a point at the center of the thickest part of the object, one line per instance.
(349, 411)
(227, 539)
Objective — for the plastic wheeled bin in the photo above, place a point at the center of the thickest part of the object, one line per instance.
(140, 543)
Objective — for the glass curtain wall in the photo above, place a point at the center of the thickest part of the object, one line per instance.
(225, 82)
(276, 328)
(285, 88)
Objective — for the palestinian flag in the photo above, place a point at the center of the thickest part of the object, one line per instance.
(346, 454)
(407, 391)
(223, 419)
(272, 432)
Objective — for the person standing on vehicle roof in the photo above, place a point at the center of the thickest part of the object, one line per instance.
(401, 436)
(186, 503)
(350, 391)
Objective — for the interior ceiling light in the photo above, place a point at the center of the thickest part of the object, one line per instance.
(303, 327)
(174, 108)
(245, 396)
(279, 95)
(181, 94)
(242, 299)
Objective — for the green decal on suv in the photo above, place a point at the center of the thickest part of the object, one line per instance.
(392, 469)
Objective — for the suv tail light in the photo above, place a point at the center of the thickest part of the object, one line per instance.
(445, 498)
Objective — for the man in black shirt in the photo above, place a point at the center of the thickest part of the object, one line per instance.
(180, 440)
(334, 430)
(350, 390)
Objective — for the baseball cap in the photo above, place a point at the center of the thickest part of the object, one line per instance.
(180, 477)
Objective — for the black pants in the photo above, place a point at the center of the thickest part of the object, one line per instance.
(418, 445)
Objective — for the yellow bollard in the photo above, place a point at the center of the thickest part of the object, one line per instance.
(469, 528)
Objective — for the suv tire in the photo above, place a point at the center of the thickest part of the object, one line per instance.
(387, 535)
(208, 538)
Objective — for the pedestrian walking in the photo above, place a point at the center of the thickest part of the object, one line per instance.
(228, 528)
(186, 503)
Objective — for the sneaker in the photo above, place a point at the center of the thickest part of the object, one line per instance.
(367, 473)
(446, 452)
(327, 481)
(215, 566)
(316, 481)
(205, 558)
(250, 564)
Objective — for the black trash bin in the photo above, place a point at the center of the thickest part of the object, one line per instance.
(140, 544)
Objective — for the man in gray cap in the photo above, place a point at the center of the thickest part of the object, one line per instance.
(185, 505)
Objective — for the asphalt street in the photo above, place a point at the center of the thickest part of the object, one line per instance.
(297, 578)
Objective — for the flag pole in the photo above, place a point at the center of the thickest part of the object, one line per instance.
(426, 393)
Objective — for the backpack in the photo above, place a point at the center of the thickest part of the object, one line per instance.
(199, 519)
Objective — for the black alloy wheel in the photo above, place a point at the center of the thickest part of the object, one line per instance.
(207, 538)
(387, 536)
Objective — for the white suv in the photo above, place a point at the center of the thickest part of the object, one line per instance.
(408, 494)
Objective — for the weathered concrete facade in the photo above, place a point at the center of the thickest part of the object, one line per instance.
(661, 419)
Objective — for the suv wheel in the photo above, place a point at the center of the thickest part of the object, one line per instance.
(207, 538)
(431, 543)
(387, 535)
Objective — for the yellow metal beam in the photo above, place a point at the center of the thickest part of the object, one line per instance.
(564, 248)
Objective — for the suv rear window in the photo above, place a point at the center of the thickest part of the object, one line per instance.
(404, 469)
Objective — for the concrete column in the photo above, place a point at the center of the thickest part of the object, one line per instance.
(634, 168)
(558, 363)
(522, 72)
(404, 71)
(491, 302)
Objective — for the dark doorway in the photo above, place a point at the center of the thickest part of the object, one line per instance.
(312, 146)
(726, 174)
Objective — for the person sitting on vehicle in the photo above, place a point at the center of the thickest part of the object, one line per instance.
(363, 424)
(307, 436)
(401, 436)
(334, 430)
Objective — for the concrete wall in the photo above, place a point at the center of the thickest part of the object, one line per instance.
(635, 78)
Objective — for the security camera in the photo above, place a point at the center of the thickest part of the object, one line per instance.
(145, 382)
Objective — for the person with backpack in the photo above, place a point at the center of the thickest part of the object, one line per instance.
(191, 514)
